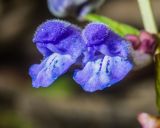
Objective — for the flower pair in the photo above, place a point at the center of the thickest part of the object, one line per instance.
(104, 57)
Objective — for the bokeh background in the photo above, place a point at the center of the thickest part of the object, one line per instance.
(65, 104)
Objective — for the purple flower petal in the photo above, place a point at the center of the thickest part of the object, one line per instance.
(93, 76)
(50, 69)
(105, 40)
(44, 50)
(102, 73)
(95, 34)
(120, 68)
(59, 36)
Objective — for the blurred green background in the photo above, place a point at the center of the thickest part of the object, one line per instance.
(65, 104)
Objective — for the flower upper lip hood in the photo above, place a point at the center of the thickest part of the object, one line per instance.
(60, 37)
(95, 36)
(101, 38)
(53, 31)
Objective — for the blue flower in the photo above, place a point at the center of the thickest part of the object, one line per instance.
(60, 8)
(107, 58)
(78, 8)
(61, 44)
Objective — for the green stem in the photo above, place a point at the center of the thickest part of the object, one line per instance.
(150, 26)
(157, 87)
(147, 16)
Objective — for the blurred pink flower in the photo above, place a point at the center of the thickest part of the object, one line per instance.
(144, 47)
(145, 42)
(148, 121)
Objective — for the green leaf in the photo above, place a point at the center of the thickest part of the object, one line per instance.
(119, 28)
